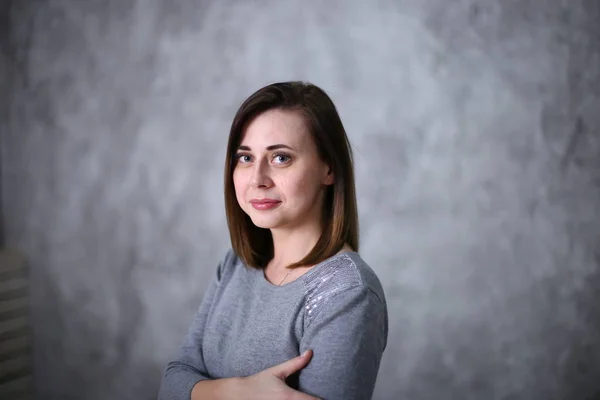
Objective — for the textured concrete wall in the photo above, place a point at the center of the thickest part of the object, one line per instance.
(6, 71)
(477, 136)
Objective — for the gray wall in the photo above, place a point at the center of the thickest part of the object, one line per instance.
(477, 136)
(6, 70)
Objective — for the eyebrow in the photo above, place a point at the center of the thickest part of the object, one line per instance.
(272, 147)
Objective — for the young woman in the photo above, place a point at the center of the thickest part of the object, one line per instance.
(293, 312)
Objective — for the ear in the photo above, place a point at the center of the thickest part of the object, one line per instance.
(329, 178)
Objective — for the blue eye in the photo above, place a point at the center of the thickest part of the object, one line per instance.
(243, 158)
(281, 158)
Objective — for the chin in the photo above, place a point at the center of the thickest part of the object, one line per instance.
(265, 223)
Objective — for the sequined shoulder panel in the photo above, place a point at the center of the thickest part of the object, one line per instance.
(332, 277)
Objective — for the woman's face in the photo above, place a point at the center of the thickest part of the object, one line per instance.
(278, 176)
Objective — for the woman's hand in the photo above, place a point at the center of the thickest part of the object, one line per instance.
(265, 385)
(270, 383)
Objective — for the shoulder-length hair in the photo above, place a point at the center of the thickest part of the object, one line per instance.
(254, 245)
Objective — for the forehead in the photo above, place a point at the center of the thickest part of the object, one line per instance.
(276, 127)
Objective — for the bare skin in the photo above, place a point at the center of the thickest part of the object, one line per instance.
(275, 274)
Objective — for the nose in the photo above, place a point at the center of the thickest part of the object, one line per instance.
(260, 175)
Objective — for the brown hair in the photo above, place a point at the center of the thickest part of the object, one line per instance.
(254, 245)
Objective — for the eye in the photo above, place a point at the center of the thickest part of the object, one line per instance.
(243, 158)
(281, 158)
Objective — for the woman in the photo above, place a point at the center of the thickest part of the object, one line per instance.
(293, 311)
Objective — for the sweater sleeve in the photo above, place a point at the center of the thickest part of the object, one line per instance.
(348, 336)
(187, 367)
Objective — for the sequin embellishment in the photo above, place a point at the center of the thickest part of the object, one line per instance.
(334, 276)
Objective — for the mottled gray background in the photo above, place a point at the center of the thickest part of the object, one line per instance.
(476, 127)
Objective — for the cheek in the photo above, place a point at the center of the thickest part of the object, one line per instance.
(297, 186)
(301, 184)
(239, 183)
(308, 186)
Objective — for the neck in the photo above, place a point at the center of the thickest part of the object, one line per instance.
(292, 245)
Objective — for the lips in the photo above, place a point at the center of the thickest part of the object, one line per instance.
(264, 204)
(264, 201)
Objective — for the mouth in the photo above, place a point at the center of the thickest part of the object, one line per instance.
(264, 204)
(265, 200)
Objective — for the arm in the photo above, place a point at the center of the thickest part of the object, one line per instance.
(187, 368)
(186, 376)
(348, 335)
(265, 385)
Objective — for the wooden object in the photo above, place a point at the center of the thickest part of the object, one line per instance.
(15, 340)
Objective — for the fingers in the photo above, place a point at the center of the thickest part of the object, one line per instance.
(287, 368)
(303, 396)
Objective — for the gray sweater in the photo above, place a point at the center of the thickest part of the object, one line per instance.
(246, 324)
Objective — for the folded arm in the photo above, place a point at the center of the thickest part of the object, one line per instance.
(187, 368)
(348, 335)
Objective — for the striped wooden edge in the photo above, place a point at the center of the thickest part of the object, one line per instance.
(16, 361)
(21, 386)
(15, 364)
(8, 355)
(15, 347)
(7, 275)
(21, 284)
(22, 311)
(13, 294)
(11, 259)
(13, 304)
(14, 375)
(14, 328)
(25, 394)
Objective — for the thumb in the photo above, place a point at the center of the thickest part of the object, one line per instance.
(288, 367)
